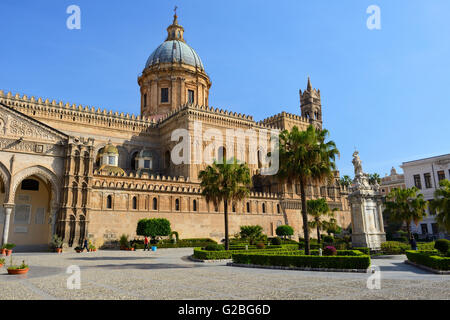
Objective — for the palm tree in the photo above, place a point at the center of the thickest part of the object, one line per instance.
(305, 158)
(319, 210)
(406, 206)
(440, 206)
(227, 182)
(374, 178)
(346, 181)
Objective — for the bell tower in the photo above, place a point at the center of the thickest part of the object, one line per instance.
(310, 105)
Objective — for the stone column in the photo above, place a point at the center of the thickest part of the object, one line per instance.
(8, 211)
(53, 217)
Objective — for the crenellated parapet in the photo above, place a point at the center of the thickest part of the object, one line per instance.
(66, 112)
(285, 120)
(90, 115)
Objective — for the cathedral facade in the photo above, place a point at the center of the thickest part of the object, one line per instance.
(80, 171)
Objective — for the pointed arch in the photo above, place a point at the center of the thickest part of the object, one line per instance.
(43, 173)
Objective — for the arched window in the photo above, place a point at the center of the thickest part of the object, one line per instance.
(222, 154)
(109, 202)
(233, 207)
(278, 208)
(134, 203)
(155, 204)
(248, 207)
(177, 204)
(264, 208)
(194, 205)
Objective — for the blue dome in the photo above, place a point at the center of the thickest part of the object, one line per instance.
(175, 51)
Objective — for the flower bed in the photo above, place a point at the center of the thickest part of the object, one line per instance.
(429, 258)
(356, 261)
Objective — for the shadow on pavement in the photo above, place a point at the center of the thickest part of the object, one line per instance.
(112, 258)
(403, 267)
(149, 266)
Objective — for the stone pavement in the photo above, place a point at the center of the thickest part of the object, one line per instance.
(169, 274)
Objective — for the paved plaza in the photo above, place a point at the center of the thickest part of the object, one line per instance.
(169, 274)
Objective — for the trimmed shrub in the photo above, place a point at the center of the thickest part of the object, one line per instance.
(157, 227)
(425, 245)
(429, 259)
(276, 241)
(214, 247)
(199, 253)
(363, 250)
(329, 251)
(442, 245)
(328, 262)
(283, 231)
(328, 239)
(394, 247)
(260, 245)
(312, 246)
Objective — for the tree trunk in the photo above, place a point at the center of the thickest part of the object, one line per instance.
(318, 235)
(305, 216)
(408, 229)
(227, 240)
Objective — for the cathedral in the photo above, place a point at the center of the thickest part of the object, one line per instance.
(80, 171)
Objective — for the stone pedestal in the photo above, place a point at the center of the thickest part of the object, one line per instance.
(367, 213)
(367, 219)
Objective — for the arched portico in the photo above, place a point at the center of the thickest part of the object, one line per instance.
(31, 207)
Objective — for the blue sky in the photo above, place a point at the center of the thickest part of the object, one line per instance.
(384, 92)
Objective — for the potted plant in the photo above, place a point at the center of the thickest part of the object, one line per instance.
(2, 262)
(9, 247)
(56, 243)
(124, 244)
(92, 248)
(3, 250)
(18, 269)
(78, 249)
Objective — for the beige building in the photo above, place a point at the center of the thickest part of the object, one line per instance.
(81, 171)
(391, 182)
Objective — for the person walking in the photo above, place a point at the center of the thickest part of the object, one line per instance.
(146, 244)
(86, 244)
(413, 243)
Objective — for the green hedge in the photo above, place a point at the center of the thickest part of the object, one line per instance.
(285, 260)
(251, 247)
(184, 243)
(312, 246)
(316, 252)
(363, 250)
(429, 258)
(395, 247)
(199, 253)
(202, 254)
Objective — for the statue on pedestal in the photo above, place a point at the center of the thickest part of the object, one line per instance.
(366, 208)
